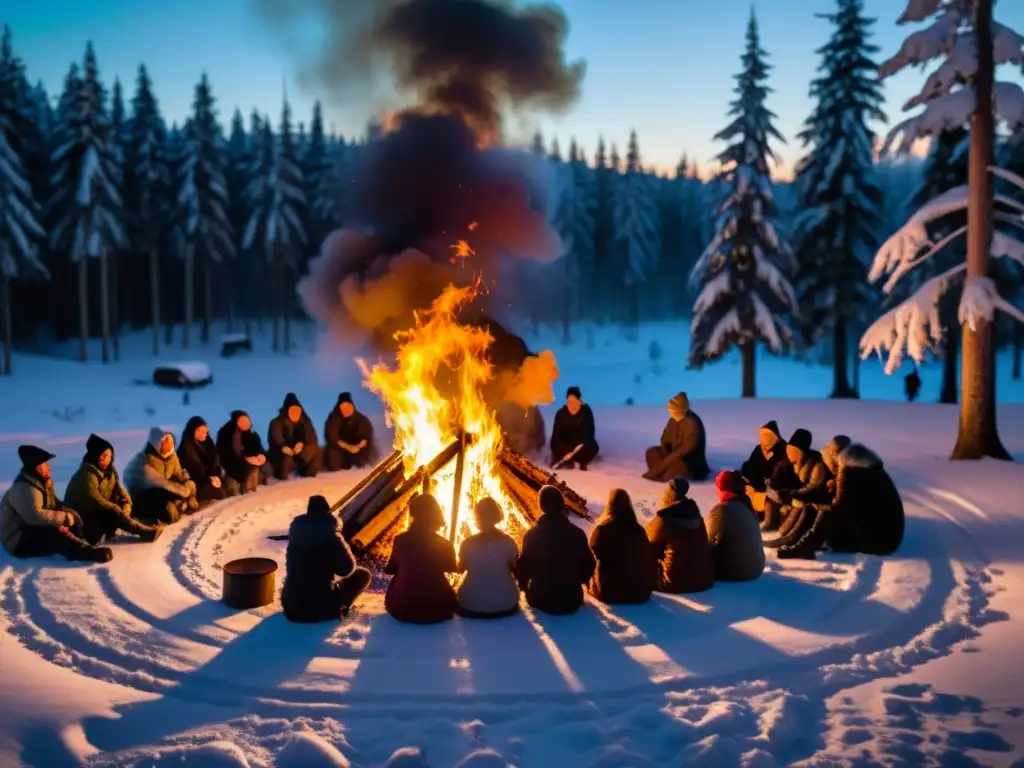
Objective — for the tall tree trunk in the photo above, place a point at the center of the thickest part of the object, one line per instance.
(207, 302)
(275, 310)
(83, 306)
(154, 296)
(749, 358)
(856, 374)
(840, 353)
(186, 326)
(104, 307)
(1018, 349)
(978, 435)
(950, 357)
(115, 305)
(5, 300)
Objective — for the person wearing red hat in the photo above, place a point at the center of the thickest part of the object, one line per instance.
(734, 532)
(33, 522)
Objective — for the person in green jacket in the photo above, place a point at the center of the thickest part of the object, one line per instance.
(95, 491)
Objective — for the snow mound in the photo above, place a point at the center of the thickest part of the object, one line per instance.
(182, 375)
(407, 757)
(482, 758)
(213, 754)
(306, 749)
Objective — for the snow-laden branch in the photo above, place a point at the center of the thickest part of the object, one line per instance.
(912, 327)
(721, 333)
(1006, 247)
(919, 10)
(954, 111)
(909, 239)
(961, 64)
(980, 301)
(905, 266)
(715, 288)
(925, 44)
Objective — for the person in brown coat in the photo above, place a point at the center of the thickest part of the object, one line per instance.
(734, 533)
(420, 592)
(556, 560)
(806, 485)
(683, 445)
(680, 542)
(626, 568)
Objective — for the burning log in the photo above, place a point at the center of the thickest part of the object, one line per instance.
(535, 478)
(370, 485)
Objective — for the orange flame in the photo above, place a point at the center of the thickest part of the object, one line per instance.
(436, 388)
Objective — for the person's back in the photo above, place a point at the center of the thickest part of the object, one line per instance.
(488, 559)
(556, 561)
(734, 533)
(420, 592)
(870, 503)
(680, 542)
(626, 569)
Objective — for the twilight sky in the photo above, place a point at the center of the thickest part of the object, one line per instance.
(662, 67)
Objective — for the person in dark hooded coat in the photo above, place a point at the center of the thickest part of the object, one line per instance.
(241, 452)
(574, 431)
(292, 439)
(198, 455)
(348, 436)
(34, 523)
(626, 569)
(759, 468)
(866, 514)
(680, 542)
(800, 479)
(322, 580)
(95, 491)
(421, 558)
(556, 560)
(683, 445)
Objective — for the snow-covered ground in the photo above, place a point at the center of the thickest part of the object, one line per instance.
(848, 660)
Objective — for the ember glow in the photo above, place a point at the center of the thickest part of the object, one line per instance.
(435, 389)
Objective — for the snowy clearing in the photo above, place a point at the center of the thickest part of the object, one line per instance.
(909, 660)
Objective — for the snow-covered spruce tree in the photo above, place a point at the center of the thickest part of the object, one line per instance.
(960, 92)
(574, 222)
(118, 125)
(20, 230)
(275, 224)
(147, 184)
(85, 192)
(1014, 162)
(203, 199)
(637, 235)
(321, 218)
(239, 149)
(840, 201)
(599, 288)
(743, 274)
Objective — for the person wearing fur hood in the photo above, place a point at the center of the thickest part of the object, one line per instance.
(866, 514)
(161, 489)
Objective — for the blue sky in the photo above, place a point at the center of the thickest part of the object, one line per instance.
(663, 67)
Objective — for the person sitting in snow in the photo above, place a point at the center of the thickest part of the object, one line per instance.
(805, 484)
(96, 493)
(160, 489)
(292, 440)
(556, 560)
(198, 455)
(682, 449)
(33, 523)
(627, 571)
(680, 542)
(420, 560)
(800, 517)
(241, 452)
(572, 436)
(323, 580)
(488, 560)
(733, 532)
(348, 436)
(759, 468)
(865, 515)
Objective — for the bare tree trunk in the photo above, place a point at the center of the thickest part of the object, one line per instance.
(115, 305)
(83, 306)
(207, 302)
(749, 358)
(104, 308)
(840, 352)
(5, 299)
(1018, 349)
(978, 435)
(154, 296)
(186, 326)
(950, 357)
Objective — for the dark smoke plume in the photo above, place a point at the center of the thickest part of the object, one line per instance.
(437, 177)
